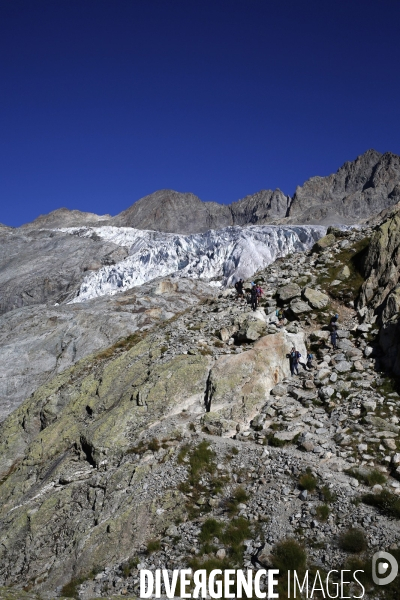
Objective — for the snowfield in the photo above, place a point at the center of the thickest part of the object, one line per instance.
(218, 256)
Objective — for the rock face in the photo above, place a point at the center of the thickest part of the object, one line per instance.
(38, 342)
(380, 293)
(358, 190)
(46, 266)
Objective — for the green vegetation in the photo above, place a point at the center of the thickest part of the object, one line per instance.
(328, 495)
(129, 566)
(322, 512)
(121, 346)
(307, 482)
(153, 546)
(353, 540)
(201, 466)
(201, 459)
(142, 447)
(238, 496)
(353, 258)
(230, 535)
(288, 555)
(369, 478)
(386, 502)
(70, 590)
(209, 530)
(154, 445)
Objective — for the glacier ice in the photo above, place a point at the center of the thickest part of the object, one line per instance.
(219, 256)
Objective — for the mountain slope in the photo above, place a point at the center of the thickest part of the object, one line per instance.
(358, 190)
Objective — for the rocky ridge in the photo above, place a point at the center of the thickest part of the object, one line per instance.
(191, 444)
(359, 190)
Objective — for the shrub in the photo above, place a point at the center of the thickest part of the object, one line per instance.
(154, 445)
(238, 496)
(328, 495)
(322, 512)
(353, 540)
(153, 546)
(209, 530)
(307, 482)
(202, 459)
(369, 478)
(386, 502)
(289, 555)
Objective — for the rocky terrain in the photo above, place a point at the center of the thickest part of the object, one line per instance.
(357, 191)
(187, 443)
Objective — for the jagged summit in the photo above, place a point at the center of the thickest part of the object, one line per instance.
(359, 190)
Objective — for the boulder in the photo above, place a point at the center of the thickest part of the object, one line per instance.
(343, 366)
(215, 424)
(315, 298)
(324, 242)
(319, 335)
(298, 308)
(286, 436)
(343, 273)
(239, 383)
(288, 292)
(279, 390)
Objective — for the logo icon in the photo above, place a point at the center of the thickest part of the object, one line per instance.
(384, 568)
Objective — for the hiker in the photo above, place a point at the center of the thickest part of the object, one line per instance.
(239, 288)
(259, 291)
(333, 322)
(253, 295)
(334, 338)
(280, 315)
(309, 364)
(294, 357)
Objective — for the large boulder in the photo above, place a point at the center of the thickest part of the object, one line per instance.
(288, 292)
(298, 308)
(315, 298)
(240, 383)
(324, 242)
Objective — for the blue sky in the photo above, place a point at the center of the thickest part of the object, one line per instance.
(105, 101)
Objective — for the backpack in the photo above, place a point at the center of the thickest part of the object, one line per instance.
(237, 285)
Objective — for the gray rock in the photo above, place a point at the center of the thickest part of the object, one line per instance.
(315, 298)
(288, 292)
(343, 366)
(279, 390)
(358, 189)
(298, 307)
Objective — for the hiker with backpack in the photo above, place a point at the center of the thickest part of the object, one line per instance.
(253, 296)
(333, 329)
(294, 357)
(239, 288)
(309, 364)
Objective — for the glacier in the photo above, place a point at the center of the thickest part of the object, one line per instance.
(220, 257)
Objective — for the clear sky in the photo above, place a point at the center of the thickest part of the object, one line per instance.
(105, 101)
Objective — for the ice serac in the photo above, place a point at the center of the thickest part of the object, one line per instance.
(359, 189)
(221, 256)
